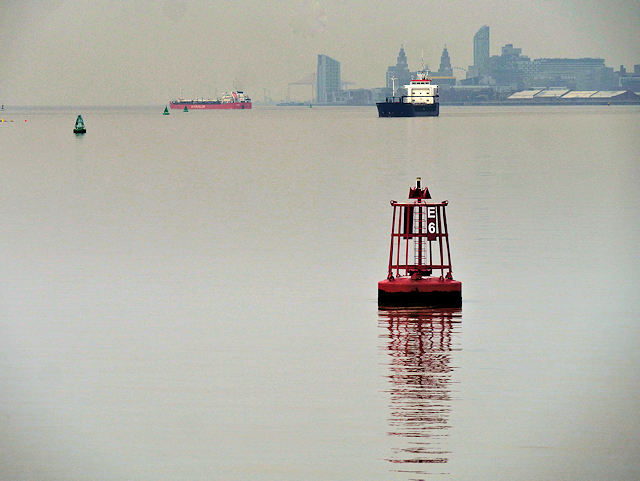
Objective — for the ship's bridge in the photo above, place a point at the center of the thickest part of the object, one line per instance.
(421, 91)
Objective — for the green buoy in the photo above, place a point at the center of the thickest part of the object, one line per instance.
(166, 111)
(185, 109)
(79, 128)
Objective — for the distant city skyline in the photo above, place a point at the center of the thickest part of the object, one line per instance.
(497, 76)
(112, 52)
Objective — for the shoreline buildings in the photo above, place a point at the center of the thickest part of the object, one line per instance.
(481, 51)
(491, 78)
(512, 70)
(444, 76)
(399, 72)
(328, 79)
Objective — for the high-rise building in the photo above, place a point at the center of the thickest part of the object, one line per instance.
(481, 47)
(445, 64)
(328, 76)
(572, 73)
(399, 71)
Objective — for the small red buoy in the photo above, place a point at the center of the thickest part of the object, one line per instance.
(419, 249)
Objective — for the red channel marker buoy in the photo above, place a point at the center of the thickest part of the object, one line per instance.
(419, 259)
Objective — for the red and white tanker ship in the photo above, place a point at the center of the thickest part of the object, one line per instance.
(234, 100)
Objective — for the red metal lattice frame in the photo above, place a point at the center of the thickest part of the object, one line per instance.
(412, 227)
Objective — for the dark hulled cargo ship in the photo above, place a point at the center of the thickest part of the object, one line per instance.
(421, 100)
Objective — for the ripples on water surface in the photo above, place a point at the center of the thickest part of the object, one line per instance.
(193, 296)
(419, 344)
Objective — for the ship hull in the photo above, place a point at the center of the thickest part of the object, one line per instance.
(211, 106)
(402, 109)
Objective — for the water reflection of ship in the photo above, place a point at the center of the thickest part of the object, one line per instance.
(419, 343)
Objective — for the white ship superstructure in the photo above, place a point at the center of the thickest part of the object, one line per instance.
(421, 100)
(421, 91)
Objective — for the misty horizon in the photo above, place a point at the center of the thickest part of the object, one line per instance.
(113, 52)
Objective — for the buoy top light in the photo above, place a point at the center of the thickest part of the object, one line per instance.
(418, 193)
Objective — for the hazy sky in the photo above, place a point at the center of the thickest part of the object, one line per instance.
(129, 52)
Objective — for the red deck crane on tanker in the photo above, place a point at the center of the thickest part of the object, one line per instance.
(419, 248)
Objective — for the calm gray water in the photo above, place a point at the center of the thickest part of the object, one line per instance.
(194, 296)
